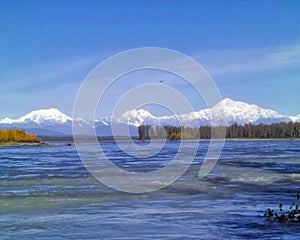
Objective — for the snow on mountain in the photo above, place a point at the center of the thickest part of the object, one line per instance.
(101, 121)
(43, 116)
(7, 120)
(243, 113)
(137, 117)
(295, 118)
(235, 112)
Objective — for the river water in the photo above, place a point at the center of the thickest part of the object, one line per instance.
(47, 193)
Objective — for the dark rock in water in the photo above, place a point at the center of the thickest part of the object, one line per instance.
(293, 215)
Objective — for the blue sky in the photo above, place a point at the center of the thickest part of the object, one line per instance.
(250, 48)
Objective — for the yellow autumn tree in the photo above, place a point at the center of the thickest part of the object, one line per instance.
(16, 135)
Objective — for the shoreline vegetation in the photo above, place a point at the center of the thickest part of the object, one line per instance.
(290, 130)
(234, 132)
(16, 137)
(48, 140)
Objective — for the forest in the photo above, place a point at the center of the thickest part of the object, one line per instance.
(15, 135)
(235, 131)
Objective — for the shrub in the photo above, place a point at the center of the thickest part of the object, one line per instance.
(16, 135)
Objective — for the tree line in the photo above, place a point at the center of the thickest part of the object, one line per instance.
(262, 131)
(16, 135)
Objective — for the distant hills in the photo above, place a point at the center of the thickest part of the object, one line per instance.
(52, 122)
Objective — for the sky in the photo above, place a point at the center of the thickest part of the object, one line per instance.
(251, 49)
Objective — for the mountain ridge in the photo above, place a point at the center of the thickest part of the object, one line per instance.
(40, 116)
(235, 112)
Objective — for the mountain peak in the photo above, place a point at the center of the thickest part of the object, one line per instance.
(235, 112)
(51, 115)
(46, 115)
(228, 102)
(6, 120)
(242, 113)
(136, 117)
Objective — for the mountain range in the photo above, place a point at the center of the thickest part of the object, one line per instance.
(52, 122)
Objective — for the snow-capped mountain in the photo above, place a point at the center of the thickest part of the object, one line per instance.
(53, 122)
(48, 122)
(137, 117)
(234, 112)
(43, 116)
(243, 113)
(295, 118)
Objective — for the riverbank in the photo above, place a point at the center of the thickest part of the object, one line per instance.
(135, 138)
(68, 141)
(21, 144)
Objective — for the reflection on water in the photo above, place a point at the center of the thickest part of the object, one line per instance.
(46, 193)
